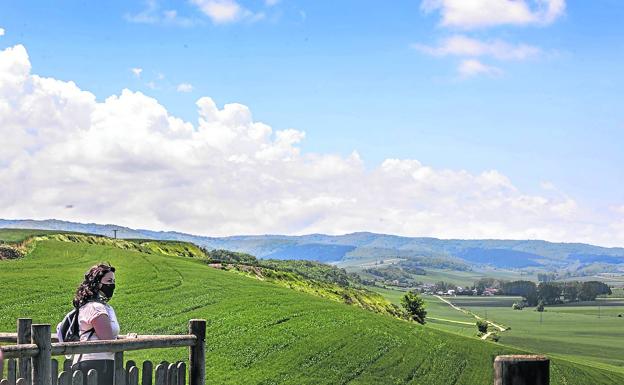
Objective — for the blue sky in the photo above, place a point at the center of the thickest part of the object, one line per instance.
(536, 96)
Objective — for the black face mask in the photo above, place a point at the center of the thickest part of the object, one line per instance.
(108, 289)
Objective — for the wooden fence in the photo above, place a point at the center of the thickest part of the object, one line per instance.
(29, 361)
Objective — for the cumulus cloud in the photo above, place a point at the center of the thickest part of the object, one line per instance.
(127, 160)
(472, 67)
(136, 71)
(185, 87)
(1, 31)
(461, 45)
(469, 14)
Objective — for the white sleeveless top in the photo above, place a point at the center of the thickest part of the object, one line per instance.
(87, 313)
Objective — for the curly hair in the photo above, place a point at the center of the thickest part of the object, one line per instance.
(88, 289)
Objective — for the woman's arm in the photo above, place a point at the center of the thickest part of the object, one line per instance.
(103, 328)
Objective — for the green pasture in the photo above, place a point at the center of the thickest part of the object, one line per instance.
(258, 333)
(574, 332)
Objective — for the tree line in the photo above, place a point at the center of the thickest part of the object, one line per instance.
(550, 293)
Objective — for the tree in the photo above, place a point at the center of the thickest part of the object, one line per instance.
(414, 306)
(482, 326)
(591, 289)
(526, 289)
(549, 293)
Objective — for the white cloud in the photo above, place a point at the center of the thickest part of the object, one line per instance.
(470, 14)
(137, 71)
(221, 11)
(127, 160)
(153, 15)
(461, 45)
(1, 31)
(472, 67)
(270, 3)
(185, 87)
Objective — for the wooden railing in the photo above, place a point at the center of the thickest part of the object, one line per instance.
(34, 349)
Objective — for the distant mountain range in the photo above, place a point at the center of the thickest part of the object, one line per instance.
(366, 246)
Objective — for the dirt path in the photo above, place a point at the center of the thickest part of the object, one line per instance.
(499, 327)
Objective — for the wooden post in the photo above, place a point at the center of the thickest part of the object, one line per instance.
(148, 367)
(120, 373)
(77, 378)
(92, 377)
(23, 337)
(181, 373)
(54, 372)
(133, 376)
(521, 370)
(197, 353)
(41, 362)
(11, 371)
(160, 377)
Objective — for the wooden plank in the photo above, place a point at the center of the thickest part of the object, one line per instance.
(129, 365)
(521, 370)
(83, 347)
(20, 351)
(172, 374)
(133, 376)
(197, 353)
(67, 364)
(77, 378)
(120, 373)
(41, 363)
(54, 372)
(146, 378)
(12, 371)
(64, 378)
(181, 373)
(160, 377)
(92, 377)
(23, 337)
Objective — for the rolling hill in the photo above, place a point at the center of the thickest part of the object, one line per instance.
(371, 246)
(259, 333)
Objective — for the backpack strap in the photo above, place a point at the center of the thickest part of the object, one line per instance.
(91, 331)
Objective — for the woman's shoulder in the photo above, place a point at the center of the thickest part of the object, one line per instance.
(94, 306)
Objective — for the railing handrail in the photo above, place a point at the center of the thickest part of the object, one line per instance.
(101, 346)
(13, 337)
(35, 349)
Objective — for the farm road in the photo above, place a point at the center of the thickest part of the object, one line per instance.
(486, 335)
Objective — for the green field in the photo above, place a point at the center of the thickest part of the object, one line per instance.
(257, 332)
(573, 331)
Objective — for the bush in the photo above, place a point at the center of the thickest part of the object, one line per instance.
(540, 306)
(482, 326)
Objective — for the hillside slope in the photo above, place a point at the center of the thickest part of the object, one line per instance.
(258, 332)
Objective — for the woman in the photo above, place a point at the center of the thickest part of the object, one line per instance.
(97, 321)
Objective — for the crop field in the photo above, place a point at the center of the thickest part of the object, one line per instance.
(572, 331)
(257, 332)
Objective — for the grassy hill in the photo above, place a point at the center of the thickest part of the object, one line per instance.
(258, 332)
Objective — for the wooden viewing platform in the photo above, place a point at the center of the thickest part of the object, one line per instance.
(29, 361)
